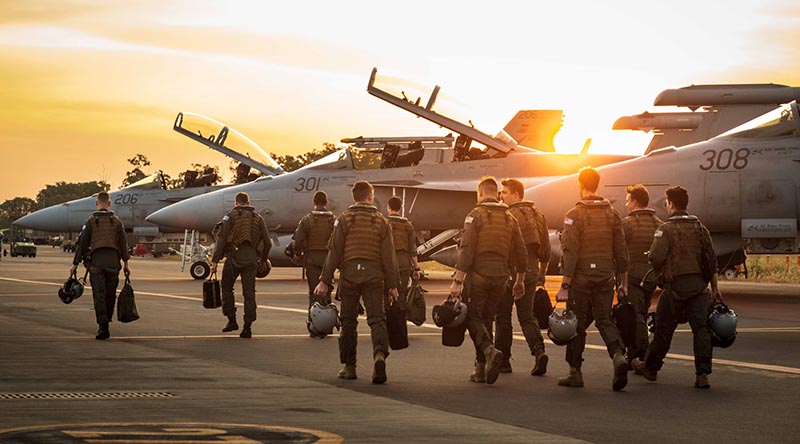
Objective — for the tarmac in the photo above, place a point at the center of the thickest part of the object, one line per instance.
(174, 377)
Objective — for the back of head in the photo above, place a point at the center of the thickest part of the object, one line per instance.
(242, 198)
(679, 197)
(320, 198)
(639, 193)
(361, 190)
(395, 203)
(487, 186)
(104, 198)
(589, 178)
(514, 186)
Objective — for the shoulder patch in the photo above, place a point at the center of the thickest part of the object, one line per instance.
(226, 218)
(658, 233)
(568, 221)
(336, 223)
(83, 227)
(469, 220)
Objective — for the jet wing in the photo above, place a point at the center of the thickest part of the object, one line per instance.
(428, 113)
(227, 141)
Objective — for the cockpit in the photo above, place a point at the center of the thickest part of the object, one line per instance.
(783, 121)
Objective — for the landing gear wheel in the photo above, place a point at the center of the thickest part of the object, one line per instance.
(730, 274)
(199, 270)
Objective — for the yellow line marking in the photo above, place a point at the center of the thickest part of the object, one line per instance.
(772, 368)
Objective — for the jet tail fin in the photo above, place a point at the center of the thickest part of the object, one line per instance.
(535, 128)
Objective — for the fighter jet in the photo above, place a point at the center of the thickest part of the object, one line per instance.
(724, 108)
(743, 185)
(437, 185)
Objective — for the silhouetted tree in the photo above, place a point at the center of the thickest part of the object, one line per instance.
(138, 162)
(64, 192)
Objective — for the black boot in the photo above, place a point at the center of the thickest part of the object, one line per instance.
(232, 325)
(246, 332)
(102, 332)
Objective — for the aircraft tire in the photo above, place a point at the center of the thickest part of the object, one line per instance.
(200, 270)
(730, 273)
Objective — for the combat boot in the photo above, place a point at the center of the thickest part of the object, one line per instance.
(540, 367)
(348, 372)
(246, 331)
(102, 332)
(620, 379)
(494, 358)
(574, 379)
(232, 325)
(640, 368)
(478, 373)
(379, 371)
(505, 366)
(701, 381)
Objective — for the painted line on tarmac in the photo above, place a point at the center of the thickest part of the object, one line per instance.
(772, 368)
(164, 337)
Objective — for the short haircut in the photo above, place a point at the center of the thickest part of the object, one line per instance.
(242, 198)
(395, 203)
(361, 190)
(589, 178)
(679, 197)
(514, 186)
(639, 193)
(104, 197)
(488, 185)
(320, 198)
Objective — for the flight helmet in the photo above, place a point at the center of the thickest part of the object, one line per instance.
(445, 313)
(461, 314)
(263, 269)
(722, 323)
(322, 319)
(562, 326)
(71, 290)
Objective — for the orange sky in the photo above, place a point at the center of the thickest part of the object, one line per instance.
(87, 84)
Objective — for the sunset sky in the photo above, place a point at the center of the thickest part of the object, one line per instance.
(88, 84)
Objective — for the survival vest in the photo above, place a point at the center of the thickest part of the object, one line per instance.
(530, 220)
(597, 246)
(686, 247)
(245, 227)
(401, 228)
(320, 227)
(643, 223)
(494, 228)
(104, 230)
(363, 240)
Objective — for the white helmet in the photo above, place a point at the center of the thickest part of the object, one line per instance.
(322, 319)
(563, 326)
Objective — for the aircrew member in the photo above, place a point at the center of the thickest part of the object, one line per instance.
(361, 247)
(594, 252)
(533, 226)
(244, 241)
(491, 239)
(683, 254)
(639, 226)
(405, 246)
(102, 243)
(311, 241)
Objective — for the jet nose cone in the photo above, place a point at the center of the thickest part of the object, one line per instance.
(198, 213)
(49, 219)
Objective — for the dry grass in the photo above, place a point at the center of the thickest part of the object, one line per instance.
(773, 268)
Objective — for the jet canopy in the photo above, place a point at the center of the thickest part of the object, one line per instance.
(151, 182)
(226, 140)
(780, 122)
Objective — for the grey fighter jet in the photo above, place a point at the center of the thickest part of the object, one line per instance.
(724, 107)
(437, 184)
(744, 185)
